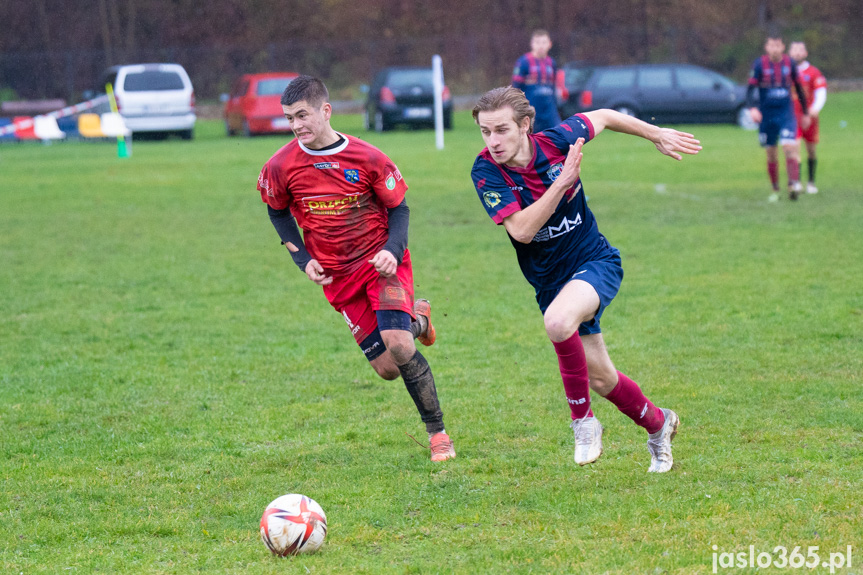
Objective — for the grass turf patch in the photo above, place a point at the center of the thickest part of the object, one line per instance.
(165, 370)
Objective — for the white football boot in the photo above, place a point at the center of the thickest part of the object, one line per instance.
(659, 443)
(588, 439)
(811, 189)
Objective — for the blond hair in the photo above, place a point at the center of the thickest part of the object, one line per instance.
(506, 97)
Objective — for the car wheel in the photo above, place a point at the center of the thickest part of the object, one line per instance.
(380, 125)
(247, 132)
(744, 119)
(366, 125)
(186, 134)
(627, 110)
(447, 121)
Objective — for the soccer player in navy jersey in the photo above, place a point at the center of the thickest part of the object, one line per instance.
(534, 74)
(773, 75)
(349, 199)
(530, 184)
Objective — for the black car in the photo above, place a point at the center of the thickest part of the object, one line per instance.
(656, 93)
(404, 95)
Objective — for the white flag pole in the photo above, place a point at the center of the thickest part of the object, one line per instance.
(437, 86)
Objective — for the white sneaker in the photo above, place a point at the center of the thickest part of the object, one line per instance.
(588, 439)
(811, 189)
(659, 443)
(774, 197)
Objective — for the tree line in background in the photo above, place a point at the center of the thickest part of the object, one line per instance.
(58, 49)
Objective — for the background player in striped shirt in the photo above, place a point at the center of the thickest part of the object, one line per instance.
(349, 199)
(535, 74)
(815, 87)
(773, 75)
(529, 183)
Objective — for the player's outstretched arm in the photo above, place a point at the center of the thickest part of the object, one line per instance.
(670, 142)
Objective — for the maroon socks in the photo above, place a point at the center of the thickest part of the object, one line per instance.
(773, 170)
(630, 400)
(573, 371)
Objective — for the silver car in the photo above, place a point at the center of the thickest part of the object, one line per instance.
(154, 98)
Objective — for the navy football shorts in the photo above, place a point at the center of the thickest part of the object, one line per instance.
(777, 126)
(603, 275)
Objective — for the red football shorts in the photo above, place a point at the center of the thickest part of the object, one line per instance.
(810, 134)
(359, 295)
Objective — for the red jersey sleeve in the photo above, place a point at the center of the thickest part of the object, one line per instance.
(387, 182)
(818, 81)
(273, 187)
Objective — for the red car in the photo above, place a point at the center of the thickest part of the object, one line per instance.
(253, 106)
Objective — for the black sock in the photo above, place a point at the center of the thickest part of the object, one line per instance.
(418, 326)
(812, 163)
(419, 381)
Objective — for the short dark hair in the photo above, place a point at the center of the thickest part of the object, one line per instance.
(506, 97)
(307, 88)
(540, 32)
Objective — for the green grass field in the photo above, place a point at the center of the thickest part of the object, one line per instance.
(165, 370)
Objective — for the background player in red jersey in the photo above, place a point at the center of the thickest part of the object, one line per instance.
(349, 199)
(815, 87)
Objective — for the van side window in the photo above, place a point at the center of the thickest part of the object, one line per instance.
(616, 79)
(694, 80)
(655, 78)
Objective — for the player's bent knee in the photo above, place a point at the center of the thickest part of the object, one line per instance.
(560, 328)
(400, 345)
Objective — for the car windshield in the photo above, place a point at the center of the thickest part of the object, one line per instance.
(150, 80)
(409, 78)
(272, 86)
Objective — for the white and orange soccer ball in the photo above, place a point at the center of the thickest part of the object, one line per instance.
(293, 524)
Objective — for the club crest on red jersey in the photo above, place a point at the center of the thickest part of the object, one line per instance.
(352, 176)
(554, 171)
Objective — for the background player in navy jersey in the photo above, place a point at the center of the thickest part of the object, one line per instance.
(530, 184)
(773, 75)
(534, 74)
(349, 199)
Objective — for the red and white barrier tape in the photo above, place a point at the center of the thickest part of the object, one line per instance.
(67, 111)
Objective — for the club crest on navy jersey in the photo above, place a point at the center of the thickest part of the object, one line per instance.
(554, 171)
(491, 199)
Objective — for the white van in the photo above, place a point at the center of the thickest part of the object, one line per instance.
(155, 98)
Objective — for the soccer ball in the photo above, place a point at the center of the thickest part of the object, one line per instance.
(293, 524)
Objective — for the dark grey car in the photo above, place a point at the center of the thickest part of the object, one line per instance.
(402, 95)
(656, 93)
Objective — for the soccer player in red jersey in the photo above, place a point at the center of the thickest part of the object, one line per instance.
(815, 87)
(530, 184)
(349, 199)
